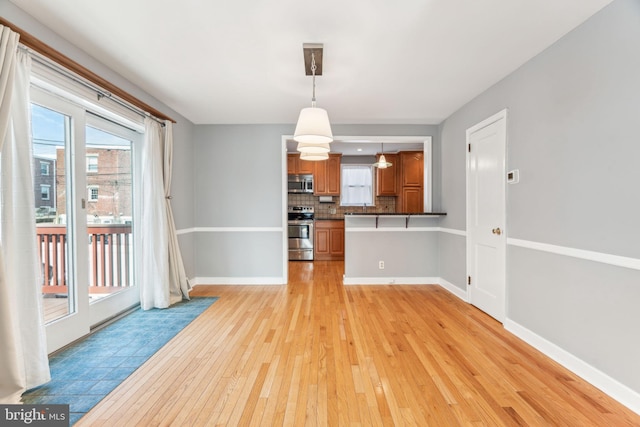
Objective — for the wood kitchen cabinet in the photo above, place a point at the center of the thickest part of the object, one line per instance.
(296, 166)
(412, 200)
(411, 182)
(326, 178)
(329, 240)
(412, 163)
(387, 179)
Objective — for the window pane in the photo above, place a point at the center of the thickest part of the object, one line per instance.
(357, 185)
(92, 163)
(50, 135)
(44, 192)
(109, 213)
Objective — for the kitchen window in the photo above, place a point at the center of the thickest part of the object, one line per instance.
(356, 185)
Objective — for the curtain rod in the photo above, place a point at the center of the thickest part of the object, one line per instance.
(101, 93)
(66, 63)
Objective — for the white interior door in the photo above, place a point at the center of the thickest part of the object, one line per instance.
(486, 214)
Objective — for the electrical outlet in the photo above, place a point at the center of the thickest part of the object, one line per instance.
(381, 265)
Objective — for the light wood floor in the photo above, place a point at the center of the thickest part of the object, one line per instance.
(317, 353)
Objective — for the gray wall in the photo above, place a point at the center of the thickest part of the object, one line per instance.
(572, 132)
(182, 188)
(238, 175)
(238, 178)
(406, 254)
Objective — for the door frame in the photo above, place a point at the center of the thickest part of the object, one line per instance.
(112, 305)
(75, 325)
(501, 115)
(85, 315)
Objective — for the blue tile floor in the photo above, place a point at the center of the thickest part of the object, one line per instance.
(86, 372)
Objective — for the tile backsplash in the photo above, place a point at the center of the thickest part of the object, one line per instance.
(333, 210)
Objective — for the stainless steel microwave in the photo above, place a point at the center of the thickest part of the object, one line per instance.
(300, 183)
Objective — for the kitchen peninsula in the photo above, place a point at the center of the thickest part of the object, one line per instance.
(391, 248)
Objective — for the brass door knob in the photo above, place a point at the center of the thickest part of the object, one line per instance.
(496, 231)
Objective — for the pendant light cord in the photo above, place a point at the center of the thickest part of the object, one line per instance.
(313, 73)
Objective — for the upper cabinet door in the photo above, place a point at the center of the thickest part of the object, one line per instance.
(412, 168)
(305, 167)
(326, 179)
(333, 174)
(386, 179)
(296, 166)
(291, 164)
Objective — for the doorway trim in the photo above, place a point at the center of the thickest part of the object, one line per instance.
(426, 140)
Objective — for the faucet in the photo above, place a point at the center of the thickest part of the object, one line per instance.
(364, 207)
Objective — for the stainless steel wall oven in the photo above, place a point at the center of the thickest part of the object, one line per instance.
(300, 225)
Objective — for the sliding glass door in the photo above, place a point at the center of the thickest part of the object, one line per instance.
(84, 186)
(110, 184)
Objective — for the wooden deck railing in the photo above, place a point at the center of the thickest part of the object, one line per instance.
(110, 257)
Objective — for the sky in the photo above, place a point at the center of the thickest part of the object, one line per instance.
(48, 131)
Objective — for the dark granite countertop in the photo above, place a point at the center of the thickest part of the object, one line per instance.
(395, 214)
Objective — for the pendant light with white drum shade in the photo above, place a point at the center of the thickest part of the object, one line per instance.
(313, 156)
(313, 130)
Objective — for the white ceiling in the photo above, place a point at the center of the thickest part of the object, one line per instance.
(241, 61)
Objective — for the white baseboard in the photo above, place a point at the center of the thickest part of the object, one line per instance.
(238, 281)
(407, 281)
(390, 280)
(462, 294)
(610, 386)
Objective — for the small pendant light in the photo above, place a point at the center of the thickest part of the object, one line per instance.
(382, 161)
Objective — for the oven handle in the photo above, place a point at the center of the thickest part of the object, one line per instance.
(300, 222)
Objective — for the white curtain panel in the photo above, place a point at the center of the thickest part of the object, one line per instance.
(356, 185)
(162, 277)
(23, 353)
(178, 282)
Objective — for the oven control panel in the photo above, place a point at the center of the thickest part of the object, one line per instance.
(302, 209)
